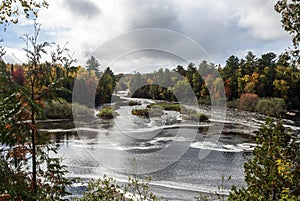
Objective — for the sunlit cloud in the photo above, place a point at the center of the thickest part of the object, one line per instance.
(222, 28)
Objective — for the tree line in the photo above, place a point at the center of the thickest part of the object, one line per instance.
(267, 78)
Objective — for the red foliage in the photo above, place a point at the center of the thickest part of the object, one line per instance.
(91, 85)
(18, 76)
(227, 88)
(248, 101)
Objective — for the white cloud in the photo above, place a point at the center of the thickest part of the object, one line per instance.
(260, 18)
(220, 27)
(83, 35)
(14, 55)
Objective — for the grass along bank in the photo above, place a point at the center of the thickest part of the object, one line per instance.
(62, 109)
(156, 109)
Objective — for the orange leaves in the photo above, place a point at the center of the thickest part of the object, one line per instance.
(40, 102)
(227, 88)
(7, 126)
(32, 126)
(25, 104)
(4, 197)
(248, 101)
(19, 152)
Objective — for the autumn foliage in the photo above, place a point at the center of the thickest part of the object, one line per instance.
(18, 76)
(248, 101)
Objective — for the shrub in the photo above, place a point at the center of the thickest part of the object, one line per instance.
(196, 117)
(248, 101)
(58, 109)
(233, 103)
(133, 103)
(154, 111)
(191, 114)
(167, 106)
(82, 109)
(271, 106)
(61, 109)
(107, 113)
(204, 101)
(141, 112)
(108, 189)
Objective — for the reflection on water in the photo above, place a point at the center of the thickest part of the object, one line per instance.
(181, 180)
(186, 176)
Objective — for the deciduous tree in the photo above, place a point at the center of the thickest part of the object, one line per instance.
(273, 172)
(290, 15)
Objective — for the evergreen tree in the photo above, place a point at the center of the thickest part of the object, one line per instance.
(92, 65)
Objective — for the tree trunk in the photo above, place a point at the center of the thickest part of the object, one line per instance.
(33, 137)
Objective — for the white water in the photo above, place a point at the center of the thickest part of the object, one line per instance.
(184, 178)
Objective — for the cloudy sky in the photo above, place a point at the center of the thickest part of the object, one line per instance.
(96, 27)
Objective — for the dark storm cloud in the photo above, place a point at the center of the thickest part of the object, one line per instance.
(83, 8)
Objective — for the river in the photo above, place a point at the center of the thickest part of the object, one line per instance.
(132, 145)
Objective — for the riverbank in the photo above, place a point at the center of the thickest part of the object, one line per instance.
(90, 152)
(247, 122)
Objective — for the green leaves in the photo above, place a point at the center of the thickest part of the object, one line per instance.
(273, 172)
(107, 189)
(290, 15)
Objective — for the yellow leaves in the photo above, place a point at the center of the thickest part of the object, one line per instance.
(255, 76)
(82, 74)
(284, 168)
(282, 87)
(248, 83)
(246, 78)
(85, 75)
(149, 81)
(218, 86)
(280, 84)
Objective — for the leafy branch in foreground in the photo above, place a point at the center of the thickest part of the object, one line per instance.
(21, 141)
(273, 172)
(107, 189)
(290, 15)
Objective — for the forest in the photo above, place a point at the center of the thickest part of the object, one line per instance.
(269, 85)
